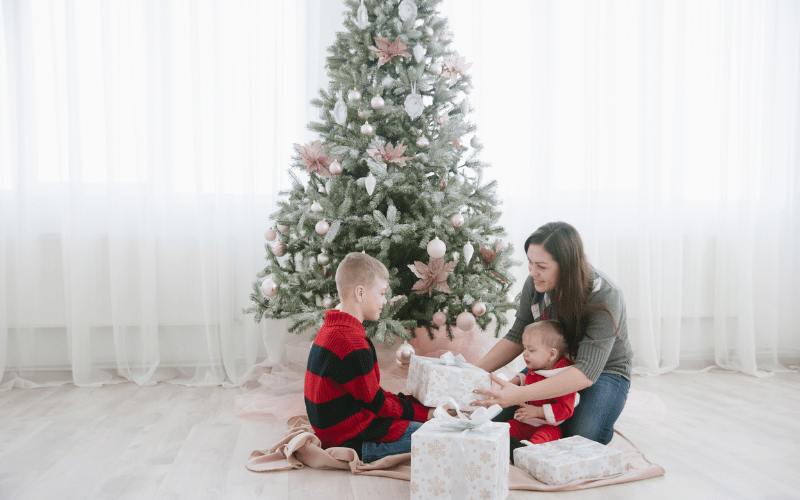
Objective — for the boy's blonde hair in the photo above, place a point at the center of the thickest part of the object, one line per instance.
(551, 332)
(358, 269)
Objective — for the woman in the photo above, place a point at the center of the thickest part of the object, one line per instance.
(563, 285)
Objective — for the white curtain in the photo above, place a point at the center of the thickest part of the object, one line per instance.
(143, 145)
(667, 133)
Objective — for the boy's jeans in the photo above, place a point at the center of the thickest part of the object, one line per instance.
(374, 451)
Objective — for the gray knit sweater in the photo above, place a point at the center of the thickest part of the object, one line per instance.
(601, 350)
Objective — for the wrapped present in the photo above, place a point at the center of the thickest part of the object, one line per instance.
(430, 380)
(460, 458)
(567, 460)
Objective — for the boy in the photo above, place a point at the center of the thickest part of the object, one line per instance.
(538, 421)
(344, 401)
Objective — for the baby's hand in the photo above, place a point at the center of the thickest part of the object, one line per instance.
(525, 412)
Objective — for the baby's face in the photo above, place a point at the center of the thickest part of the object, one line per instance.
(535, 353)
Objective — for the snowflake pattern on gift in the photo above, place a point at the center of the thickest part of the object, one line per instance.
(486, 457)
(485, 494)
(414, 487)
(436, 449)
(448, 472)
(436, 486)
(472, 471)
(567, 471)
(615, 460)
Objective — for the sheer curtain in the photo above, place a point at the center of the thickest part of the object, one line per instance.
(667, 133)
(142, 146)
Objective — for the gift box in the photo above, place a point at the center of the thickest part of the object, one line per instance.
(430, 380)
(454, 461)
(567, 460)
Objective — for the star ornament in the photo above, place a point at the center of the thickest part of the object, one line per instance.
(314, 158)
(390, 154)
(387, 51)
(432, 276)
(454, 65)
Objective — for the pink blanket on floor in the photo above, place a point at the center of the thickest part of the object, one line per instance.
(301, 448)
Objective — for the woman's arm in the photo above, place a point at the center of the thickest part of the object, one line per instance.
(503, 352)
(570, 380)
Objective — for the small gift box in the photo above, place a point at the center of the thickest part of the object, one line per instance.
(567, 460)
(430, 380)
(460, 458)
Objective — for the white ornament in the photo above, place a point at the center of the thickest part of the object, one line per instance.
(282, 228)
(458, 180)
(428, 31)
(354, 95)
(340, 112)
(269, 287)
(327, 70)
(436, 248)
(407, 10)
(423, 142)
(322, 227)
(335, 168)
(475, 142)
(468, 90)
(464, 107)
(323, 259)
(362, 16)
(403, 355)
(465, 321)
(414, 105)
(369, 183)
(322, 190)
(479, 308)
(270, 235)
(345, 17)
(316, 208)
(419, 53)
(439, 318)
(435, 69)
(377, 102)
(444, 37)
(468, 252)
(457, 220)
(366, 129)
(327, 302)
(387, 81)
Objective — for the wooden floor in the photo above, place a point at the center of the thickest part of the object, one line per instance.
(724, 435)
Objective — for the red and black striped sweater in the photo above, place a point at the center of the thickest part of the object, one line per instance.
(344, 399)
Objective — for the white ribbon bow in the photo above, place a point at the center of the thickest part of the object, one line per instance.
(479, 418)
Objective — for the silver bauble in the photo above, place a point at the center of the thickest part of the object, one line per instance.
(403, 354)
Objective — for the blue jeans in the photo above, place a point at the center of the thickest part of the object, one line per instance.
(598, 409)
(375, 451)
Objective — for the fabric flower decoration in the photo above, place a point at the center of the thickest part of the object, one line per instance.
(433, 275)
(314, 158)
(387, 51)
(488, 258)
(390, 154)
(454, 65)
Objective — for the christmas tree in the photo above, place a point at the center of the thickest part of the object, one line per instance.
(392, 176)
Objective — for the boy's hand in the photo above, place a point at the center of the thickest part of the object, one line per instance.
(526, 411)
(430, 413)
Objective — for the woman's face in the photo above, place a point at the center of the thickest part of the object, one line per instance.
(542, 268)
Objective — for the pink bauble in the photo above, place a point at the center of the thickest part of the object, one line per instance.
(335, 168)
(479, 308)
(439, 318)
(270, 235)
(282, 228)
(465, 321)
(269, 287)
(278, 248)
(457, 220)
(322, 227)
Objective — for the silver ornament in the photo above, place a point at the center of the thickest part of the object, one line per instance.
(436, 248)
(327, 302)
(428, 31)
(354, 95)
(457, 220)
(335, 168)
(362, 16)
(414, 105)
(468, 252)
(423, 142)
(419, 53)
(403, 354)
(316, 208)
(435, 69)
(407, 10)
(366, 129)
(475, 142)
(322, 227)
(323, 259)
(269, 287)
(340, 112)
(377, 102)
(369, 183)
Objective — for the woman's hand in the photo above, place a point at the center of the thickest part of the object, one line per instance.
(507, 395)
(527, 412)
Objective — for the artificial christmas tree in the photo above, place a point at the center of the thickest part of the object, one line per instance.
(391, 176)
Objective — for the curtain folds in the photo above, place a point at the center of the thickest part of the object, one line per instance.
(143, 145)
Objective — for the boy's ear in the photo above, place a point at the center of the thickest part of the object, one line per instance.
(358, 292)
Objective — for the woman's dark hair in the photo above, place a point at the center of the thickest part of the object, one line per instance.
(570, 297)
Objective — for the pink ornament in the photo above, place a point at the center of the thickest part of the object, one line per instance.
(465, 321)
(336, 168)
(282, 228)
(269, 287)
(322, 227)
(457, 220)
(270, 235)
(278, 248)
(439, 318)
(479, 308)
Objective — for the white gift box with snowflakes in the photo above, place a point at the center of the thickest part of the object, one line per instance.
(460, 458)
(431, 380)
(567, 460)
